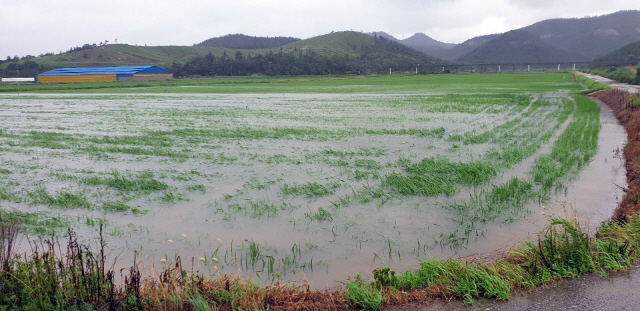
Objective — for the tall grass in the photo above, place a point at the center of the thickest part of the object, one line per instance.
(71, 276)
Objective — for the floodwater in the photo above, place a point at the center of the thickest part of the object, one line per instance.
(243, 222)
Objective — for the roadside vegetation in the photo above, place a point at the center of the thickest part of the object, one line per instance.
(65, 271)
(627, 74)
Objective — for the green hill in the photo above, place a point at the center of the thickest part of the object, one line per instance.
(359, 45)
(240, 41)
(627, 54)
(126, 55)
(347, 43)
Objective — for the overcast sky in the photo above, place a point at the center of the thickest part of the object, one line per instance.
(32, 27)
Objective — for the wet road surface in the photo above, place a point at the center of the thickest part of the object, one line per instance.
(617, 291)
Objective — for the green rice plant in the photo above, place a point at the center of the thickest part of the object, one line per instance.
(309, 189)
(419, 185)
(367, 164)
(39, 223)
(172, 197)
(197, 187)
(365, 175)
(321, 215)
(7, 195)
(61, 199)
(432, 177)
(256, 209)
(513, 189)
(5, 171)
(143, 182)
(573, 149)
(116, 207)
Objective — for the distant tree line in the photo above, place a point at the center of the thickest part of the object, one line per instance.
(375, 58)
(27, 68)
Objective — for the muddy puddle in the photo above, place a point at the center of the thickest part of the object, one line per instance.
(245, 194)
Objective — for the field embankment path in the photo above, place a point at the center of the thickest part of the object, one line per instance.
(613, 84)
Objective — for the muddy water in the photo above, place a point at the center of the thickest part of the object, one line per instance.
(360, 236)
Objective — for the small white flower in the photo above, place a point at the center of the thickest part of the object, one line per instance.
(214, 259)
(170, 241)
(218, 240)
(202, 259)
(163, 260)
(184, 235)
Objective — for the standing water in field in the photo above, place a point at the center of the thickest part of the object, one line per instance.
(316, 186)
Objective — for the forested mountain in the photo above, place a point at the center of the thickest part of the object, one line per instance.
(627, 54)
(572, 39)
(518, 46)
(591, 36)
(425, 44)
(463, 48)
(419, 42)
(240, 41)
(336, 53)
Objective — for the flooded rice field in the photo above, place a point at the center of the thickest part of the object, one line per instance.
(305, 186)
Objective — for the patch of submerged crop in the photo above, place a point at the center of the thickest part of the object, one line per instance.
(63, 199)
(309, 189)
(254, 209)
(432, 177)
(512, 141)
(41, 223)
(123, 181)
(573, 149)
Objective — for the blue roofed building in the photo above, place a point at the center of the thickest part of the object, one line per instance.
(103, 74)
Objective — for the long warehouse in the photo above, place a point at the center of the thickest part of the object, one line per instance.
(103, 74)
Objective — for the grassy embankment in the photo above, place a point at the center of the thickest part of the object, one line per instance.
(77, 278)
